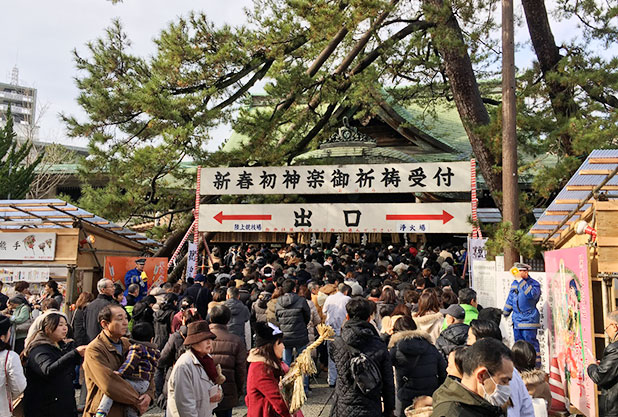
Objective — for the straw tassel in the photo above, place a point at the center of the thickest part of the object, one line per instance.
(293, 381)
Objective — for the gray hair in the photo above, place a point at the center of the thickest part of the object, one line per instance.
(613, 316)
(233, 292)
(133, 288)
(102, 283)
(313, 285)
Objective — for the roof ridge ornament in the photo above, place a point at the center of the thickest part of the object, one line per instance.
(348, 135)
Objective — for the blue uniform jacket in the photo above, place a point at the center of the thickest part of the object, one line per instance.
(135, 277)
(522, 300)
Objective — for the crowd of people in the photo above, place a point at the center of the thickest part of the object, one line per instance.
(410, 340)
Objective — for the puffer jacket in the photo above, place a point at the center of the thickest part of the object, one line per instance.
(293, 315)
(270, 311)
(240, 315)
(349, 400)
(163, 326)
(419, 367)
(522, 300)
(260, 306)
(228, 350)
(605, 375)
(454, 335)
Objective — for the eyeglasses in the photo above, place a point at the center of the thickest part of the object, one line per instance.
(613, 324)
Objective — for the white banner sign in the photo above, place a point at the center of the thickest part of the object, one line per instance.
(348, 218)
(9, 275)
(27, 246)
(338, 179)
(191, 257)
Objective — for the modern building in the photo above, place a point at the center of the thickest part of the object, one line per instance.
(23, 105)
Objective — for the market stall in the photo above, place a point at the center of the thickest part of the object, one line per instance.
(43, 239)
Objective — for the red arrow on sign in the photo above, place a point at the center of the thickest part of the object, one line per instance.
(445, 217)
(220, 217)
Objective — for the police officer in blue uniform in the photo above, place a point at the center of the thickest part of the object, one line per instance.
(137, 276)
(522, 300)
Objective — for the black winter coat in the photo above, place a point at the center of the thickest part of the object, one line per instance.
(605, 375)
(49, 373)
(349, 400)
(240, 315)
(454, 335)
(142, 313)
(93, 327)
(293, 315)
(419, 368)
(79, 327)
(163, 326)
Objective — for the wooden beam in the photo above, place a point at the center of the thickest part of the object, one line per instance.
(560, 213)
(39, 204)
(551, 223)
(39, 209)
(591, 187)
(595, 172)
(603, 161)
(45, 219)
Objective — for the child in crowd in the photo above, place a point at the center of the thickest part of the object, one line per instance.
(138, 367)
(539, 390)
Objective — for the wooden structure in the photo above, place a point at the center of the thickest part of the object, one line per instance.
(78, 262)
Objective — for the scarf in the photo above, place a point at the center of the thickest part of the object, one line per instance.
(40, 338)
(208, 364)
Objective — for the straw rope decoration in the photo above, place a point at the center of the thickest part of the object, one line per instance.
(292, 385)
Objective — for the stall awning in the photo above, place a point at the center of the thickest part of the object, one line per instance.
(592, 173)
(55, 213)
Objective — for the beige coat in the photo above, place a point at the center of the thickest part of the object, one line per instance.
(100, 361)
(189, 389)
(430, 323)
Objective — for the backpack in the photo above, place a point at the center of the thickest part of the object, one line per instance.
(365, 371)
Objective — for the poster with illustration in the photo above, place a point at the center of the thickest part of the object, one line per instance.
(116, 268)
(570, 322)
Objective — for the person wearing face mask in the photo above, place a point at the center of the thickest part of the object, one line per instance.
(605, 372)
(484, 389)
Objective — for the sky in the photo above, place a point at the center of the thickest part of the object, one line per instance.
(39, 35)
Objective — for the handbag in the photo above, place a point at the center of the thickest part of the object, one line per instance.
(15, 407)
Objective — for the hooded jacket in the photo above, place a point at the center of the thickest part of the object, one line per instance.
(419, 367)
(454, 335)
(349, 400)
(240, 315)
(453, 399)
(293, 314)
(429, 323)
(605, 375)
(260, 306)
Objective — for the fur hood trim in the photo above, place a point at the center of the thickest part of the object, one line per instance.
(408, 334)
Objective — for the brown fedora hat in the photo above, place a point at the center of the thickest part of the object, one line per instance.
(198, 331)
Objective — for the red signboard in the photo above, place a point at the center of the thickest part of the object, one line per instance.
(116, 268)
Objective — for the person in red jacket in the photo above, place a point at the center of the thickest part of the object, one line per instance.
(265, 369)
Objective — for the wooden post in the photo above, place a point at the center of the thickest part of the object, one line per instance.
(510, 191)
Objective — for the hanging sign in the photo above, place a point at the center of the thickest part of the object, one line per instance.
(191, 260)
(10, 275)
(349, 218)
(27, 246)
(338, 179)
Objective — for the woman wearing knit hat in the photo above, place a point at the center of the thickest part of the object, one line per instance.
(265, 370)
(13, 377)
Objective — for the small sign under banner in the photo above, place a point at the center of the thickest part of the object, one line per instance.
(338, 179)
(27, 246)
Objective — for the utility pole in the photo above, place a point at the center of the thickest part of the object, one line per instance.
(510, 190)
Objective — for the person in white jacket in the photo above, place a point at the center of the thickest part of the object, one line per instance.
(11, 372)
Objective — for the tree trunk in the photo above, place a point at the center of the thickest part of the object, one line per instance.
(548, 55)
(449, 42)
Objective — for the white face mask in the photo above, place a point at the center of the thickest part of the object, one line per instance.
(500, 396)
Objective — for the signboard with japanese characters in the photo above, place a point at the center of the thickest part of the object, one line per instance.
(27, 246)
(338, 179)
(191, 260)
(9, 275)
(348, 218)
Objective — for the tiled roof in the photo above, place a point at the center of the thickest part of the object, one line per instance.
(55, 213)
(590, 174)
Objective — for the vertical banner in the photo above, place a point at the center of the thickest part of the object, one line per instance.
(196, 234)
(571, 323)
(476, 252)
(191, 260)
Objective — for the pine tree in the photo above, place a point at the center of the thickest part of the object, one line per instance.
(15, 175)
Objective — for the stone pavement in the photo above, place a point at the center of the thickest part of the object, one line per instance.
(318, 404)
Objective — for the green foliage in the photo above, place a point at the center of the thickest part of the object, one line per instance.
(15, 174)
(502, 234)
